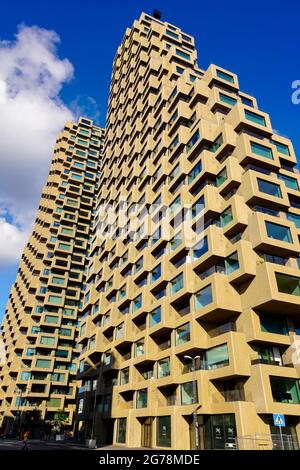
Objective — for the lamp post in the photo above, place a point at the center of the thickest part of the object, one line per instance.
(195, 417)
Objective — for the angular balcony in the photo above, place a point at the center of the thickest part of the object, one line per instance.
(273, 235)
(276, 289)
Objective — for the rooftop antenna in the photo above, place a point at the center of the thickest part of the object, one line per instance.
(157, 14)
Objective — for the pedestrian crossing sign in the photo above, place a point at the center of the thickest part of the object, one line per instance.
(278, 419)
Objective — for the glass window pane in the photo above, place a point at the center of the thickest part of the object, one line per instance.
(204, 297)
(227, 99)
(279, 232)
(269, 188)
(217, 357)
(289, 182)
(225, 76)
(187, 394)
(288, 284)
(294, 218)
(121, 430)
(182, 334)
(163, 431)
(155, 317)
(256, 118)
(141, 398)
(261, 150)
(163, 368)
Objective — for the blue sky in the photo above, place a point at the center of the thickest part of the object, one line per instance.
(259, 42)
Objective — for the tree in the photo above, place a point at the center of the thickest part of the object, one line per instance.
(60, 418)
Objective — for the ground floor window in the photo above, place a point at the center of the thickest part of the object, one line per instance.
(163, 431)
(121, 430)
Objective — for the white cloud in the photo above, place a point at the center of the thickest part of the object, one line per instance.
(31, 114)
(12, 241)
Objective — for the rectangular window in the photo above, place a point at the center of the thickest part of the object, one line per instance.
(200, 249)
(187, 393)
(174, 144)
(294, 218)
(51, 319)
(256, 118)
(155, 273)
(192, 141)
(221, 177)
(288, 284)
(261, 150)
(139, 265)
(43, 363)
(54, 402)
(278, 232)
(120, 331)
(58, 280)
(76, 176)
(195, 172)
(78, 164)
(121, 430)
(273, 324)
(269, 188)
(155, 317)
(182, 54)
(289, 182)
(182, 334)
(61, 353)
(65, 332)
(56, 377)
(55, 299)
(227, 99)
(47, 340)
(137, 303)
(281, 148)
(30, 352)
(139, 348)
(226, 217)
(171, 34)
(163, 368)
(141, 398)
(68, 311)
(247, 101)
(285, 390)
(232, 263)
(163, 431)
(225, 76)
(216, 144)
(217, 357)
(67, 231)
(204, 297)
(124, 376)
(176, 284)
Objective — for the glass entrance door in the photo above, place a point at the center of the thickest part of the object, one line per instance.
(219, 430)
(147, 432)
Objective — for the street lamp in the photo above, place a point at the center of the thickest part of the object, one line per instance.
(195, 417)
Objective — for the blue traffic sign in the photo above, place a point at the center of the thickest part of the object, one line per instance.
(278, 419)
